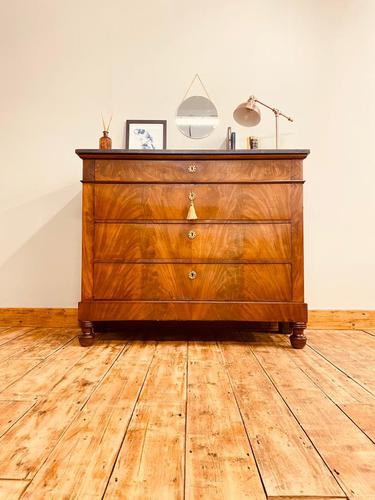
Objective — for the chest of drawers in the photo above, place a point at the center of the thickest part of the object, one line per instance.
(144, 256)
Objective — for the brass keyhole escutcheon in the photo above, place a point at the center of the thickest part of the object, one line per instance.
(192, 234)
(192, 168)
(192, 275)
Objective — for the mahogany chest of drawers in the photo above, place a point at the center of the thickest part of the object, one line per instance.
(193, 235)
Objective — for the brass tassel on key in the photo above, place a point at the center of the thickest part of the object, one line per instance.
(192, 214)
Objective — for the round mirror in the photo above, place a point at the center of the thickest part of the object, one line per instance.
(196, 117)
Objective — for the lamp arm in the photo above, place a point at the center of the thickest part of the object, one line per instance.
(275, 110)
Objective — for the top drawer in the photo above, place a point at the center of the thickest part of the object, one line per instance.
(192, 171)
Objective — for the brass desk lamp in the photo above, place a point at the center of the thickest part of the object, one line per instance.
(248, 115)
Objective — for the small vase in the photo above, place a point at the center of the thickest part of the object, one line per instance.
(105, 142)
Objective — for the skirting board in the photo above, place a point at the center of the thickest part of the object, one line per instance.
(40, 316)
(67, 317)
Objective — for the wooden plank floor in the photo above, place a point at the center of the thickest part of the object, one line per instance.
(234, 415)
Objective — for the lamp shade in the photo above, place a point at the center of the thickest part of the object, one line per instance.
(247, 113)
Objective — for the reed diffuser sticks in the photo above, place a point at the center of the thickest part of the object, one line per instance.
(105, 142)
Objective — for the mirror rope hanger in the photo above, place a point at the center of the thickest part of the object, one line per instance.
(197, 77)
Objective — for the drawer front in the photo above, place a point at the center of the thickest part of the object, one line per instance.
(225, 282)
(191, 170)
(212, 201)
(126, 242)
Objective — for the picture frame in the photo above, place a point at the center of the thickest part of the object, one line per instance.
(146, 134)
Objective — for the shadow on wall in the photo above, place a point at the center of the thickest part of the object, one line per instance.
(42, 254)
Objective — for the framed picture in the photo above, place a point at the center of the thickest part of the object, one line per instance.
(146, 134)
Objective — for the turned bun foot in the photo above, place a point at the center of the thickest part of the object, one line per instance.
(86, 340)
(88, 336)
(298, 339)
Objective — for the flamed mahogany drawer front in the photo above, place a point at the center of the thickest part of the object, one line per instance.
(225, 282)
(191, 170)
(212, 201)
(192, 241)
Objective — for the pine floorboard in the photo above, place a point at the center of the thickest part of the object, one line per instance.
(8, 334)
(352, 353)
(238, 415)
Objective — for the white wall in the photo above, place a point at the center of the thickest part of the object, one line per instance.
(63, 62)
